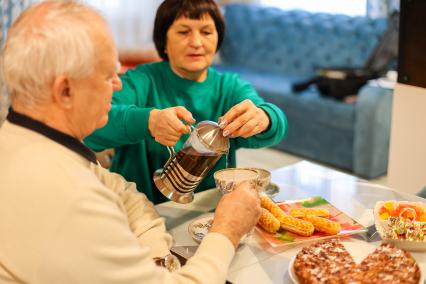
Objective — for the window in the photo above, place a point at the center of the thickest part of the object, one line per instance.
(347, 7)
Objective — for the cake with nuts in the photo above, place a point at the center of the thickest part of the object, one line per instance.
(324, 262)
(330, 262)
(389, 264)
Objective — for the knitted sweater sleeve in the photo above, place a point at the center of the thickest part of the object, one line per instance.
(240, 90)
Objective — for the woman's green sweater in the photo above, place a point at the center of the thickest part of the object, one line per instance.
(155, 85)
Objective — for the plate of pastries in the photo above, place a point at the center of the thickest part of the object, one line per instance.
(332, 261)
(298, 221)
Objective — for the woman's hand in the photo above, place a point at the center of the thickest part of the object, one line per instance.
(244, 120)
(166, 125)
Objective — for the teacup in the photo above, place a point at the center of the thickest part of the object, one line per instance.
(263, 179)
(228, 179)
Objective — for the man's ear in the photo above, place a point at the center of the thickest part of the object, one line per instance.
(61, 92)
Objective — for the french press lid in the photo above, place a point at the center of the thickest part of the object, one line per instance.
(211, 137)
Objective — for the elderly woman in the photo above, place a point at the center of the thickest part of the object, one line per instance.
(159, 100)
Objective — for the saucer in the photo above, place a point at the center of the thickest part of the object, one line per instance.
(272, 189)
(199, 228)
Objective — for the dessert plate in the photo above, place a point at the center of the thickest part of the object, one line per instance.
(284, 238)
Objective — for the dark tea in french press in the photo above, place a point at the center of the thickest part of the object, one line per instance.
(185, 170)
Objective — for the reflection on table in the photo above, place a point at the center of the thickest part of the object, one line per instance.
(256, 261)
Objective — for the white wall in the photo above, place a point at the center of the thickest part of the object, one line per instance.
(407, 157)
(131, 21)
(223, 2)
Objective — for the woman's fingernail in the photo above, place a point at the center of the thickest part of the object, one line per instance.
(222, 122)
(226, 133)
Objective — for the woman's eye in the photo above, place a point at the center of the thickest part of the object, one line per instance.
(207, 33)
(183, 32)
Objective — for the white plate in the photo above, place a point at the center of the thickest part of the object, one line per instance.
(404, 244)
(358, 251)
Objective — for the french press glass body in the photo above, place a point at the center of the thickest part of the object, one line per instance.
(185, 169)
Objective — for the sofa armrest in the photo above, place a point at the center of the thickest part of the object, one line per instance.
(372, 131)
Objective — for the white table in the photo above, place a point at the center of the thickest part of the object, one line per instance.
(255, 261)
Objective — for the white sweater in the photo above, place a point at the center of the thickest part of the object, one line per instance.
(64, 219)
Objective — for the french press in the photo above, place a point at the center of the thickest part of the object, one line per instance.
(185, 170)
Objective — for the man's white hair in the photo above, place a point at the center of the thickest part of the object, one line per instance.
(49, 39)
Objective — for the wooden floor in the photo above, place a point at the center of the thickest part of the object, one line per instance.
(271, 159)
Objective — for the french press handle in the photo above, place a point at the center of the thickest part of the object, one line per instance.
(171, 150)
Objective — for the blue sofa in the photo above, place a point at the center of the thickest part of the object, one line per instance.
(273, 48)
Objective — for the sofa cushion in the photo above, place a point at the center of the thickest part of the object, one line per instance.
(264, 81)
(296, 42)
(319, 128)
(276, 88)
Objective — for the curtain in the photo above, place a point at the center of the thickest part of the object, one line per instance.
(381, 8)
(9, 10)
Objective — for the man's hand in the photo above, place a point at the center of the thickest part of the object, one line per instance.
(245, 120)
(237, 213)
(166, 125)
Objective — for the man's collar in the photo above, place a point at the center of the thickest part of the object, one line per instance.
(51, 133)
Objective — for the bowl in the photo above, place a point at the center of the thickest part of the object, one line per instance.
(382, 225)
(227, 180)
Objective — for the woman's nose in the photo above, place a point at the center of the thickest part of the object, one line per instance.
(195, 40)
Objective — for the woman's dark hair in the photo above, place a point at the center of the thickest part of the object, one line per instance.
(170, 10)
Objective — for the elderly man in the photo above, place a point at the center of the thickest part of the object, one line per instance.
(63, 218)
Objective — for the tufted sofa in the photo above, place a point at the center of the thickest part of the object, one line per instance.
(273, 48)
